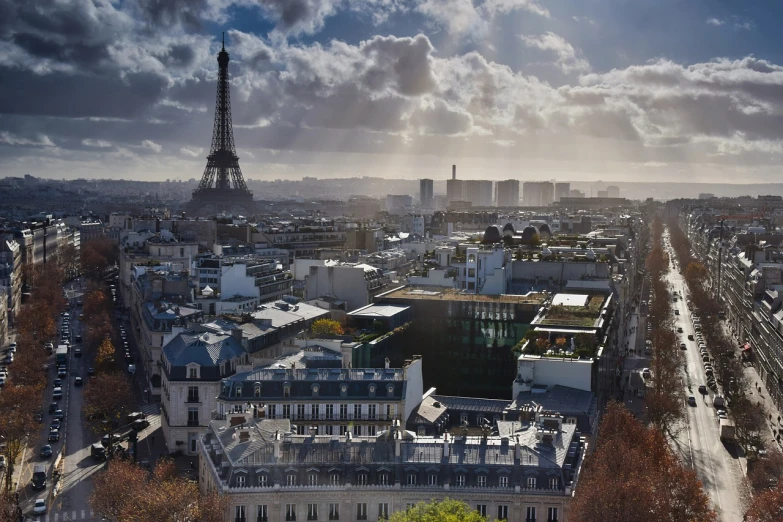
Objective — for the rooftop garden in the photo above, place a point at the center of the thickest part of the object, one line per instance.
(581, 345)
(585, 316)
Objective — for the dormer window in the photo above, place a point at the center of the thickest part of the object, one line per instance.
(287, 389)
(238, 390)
(193, 372)
(257, 390)
(371, 391)
(315, 388)
(343, 390)
(390, 390)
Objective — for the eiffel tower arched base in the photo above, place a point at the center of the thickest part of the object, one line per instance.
(212, 201)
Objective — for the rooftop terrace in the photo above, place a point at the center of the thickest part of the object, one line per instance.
(451, 294)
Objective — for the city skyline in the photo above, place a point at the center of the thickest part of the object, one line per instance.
(512, 89)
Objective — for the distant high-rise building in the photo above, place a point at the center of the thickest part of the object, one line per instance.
(477, 191)
(562, 190)
(426, 193)
(706, 195)
(573, 193)
(602, 194)
(396, 204)
(613, 191)
(507, 193)
(538, 193)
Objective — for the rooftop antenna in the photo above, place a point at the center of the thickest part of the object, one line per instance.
(224, 40)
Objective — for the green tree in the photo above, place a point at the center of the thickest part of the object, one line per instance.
(445, 510)
(326, 327)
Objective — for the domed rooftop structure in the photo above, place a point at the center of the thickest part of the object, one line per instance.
(492, 234)
(508, 230)
(544, 231)
(529, 233)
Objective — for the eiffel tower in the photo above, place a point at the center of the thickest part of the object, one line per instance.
(215, 192)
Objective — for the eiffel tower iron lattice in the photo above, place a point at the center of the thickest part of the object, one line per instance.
(222, 186)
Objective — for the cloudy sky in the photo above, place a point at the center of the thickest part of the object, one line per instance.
(653, 90)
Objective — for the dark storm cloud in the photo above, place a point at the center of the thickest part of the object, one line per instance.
(72, 53)
(169, 13)
(178, 55)
(79, 95)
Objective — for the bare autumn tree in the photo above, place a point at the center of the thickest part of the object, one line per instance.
(104, 359)
(106, 399)
(765, 473)
(647, 483)
(766, 506)
(97, 256)
(127, 493)
(17, 407)
(665, 396)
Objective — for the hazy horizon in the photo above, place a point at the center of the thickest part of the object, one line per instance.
(403, 89)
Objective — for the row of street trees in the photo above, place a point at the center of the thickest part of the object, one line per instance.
(23, 393)
(665, 397)
(748, 416)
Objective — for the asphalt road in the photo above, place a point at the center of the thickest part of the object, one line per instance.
(699, 444)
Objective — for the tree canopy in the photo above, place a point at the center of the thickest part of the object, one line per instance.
(446, 510)
(647, 483)
(326, 327)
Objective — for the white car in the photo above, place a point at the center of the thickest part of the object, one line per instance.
(40, 506)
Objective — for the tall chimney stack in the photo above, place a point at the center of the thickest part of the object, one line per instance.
(453, 172)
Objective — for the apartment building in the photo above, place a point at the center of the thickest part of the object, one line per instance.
(11, 274)
(270, 473)
(538, 193)
(353, 283)
(507, 193)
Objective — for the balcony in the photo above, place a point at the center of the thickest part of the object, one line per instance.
(193, 423)
(193, 399)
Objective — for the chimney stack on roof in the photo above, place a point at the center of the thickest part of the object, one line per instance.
(453, 172)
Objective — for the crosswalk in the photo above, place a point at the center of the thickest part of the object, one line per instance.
(150, 409)
(66, 516)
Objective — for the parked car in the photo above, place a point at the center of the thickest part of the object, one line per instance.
(62, 373)
(58, 382)
(55, 425)
(54, 435)
(691, 400)
(57, 394)
(39, 508)
(53, 407)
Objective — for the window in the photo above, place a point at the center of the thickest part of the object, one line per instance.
(313, 479)
(463, 418)
(383, 479)
(411, 479)
(503, 482)
(241, 481)
(408, 506)
(530, 514)
(334, 479)
(263, 481)
(314, 411)
(531, 482)
(343, 430)
(257, 391)
(383, 510)
(551, 514)
(482, 509)
(312, 511)
(239, 514)
(334, 511)
(286, 390)
(357, 430)
(361, 479)
(460, 480)
(361, 511)
(192, 373)
(371, 412)
(286, 411)
(343, 411)
(300, 429)
(330, 430)
(315, 389)
(290, 512)
(330, 411)
(371, 390)
(371, 431)
(482, 481)
(263, 513)
(290, 480)
(432, 479)
(388, 412)
(502, 512)
(192, 393)
(193, 416)
(300, 411)
(238, 391)
(357, 411)
(553, 483)
(390, 390)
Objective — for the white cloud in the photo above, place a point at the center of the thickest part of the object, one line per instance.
(462, 17)
(36, 140)
(151, 145)
(567, 59)
(716, 22)
(89, 142)
(193, 152)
